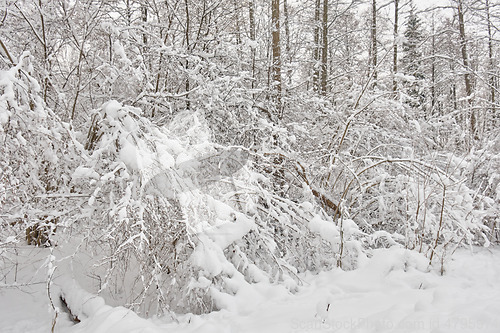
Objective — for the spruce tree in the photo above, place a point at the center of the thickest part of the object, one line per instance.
(412, 58)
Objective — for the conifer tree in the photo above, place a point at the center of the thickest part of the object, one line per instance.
(412, 57)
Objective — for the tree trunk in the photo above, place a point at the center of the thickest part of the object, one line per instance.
(492, 83)
(128, 13)
(237, 21)
(316, 69)
(276, 48)
(324, 53)
(251, 18)
(374, 43)
(433, 67)
(144, 13)
(465, 59)
(45, 54)
(395, 54)
(186, 65)
(144, 19)
(287, 42)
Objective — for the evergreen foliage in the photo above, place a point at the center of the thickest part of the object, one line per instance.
(412, 59)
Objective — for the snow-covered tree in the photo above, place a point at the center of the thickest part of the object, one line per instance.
(412, 59)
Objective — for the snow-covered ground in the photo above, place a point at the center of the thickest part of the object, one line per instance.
(391, 292)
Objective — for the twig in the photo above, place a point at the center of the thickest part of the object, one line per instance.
(440, 226)
(7, 52)
(30, 24)
(49, 282)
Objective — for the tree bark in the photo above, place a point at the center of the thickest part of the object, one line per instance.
(237, 19)
(251, 18)
(186, 65)
(433, 67)
(288, 54)
(276, 60)
(324, 49)
(144, 17)
(316, 55)
(128, 13)
(465, 59)
(374, 43)
(491, 63)
(395, 51)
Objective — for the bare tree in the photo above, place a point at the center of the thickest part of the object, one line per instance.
(491, 65)
(433, 65)
(373, 55)
(324, 48)
(276, 57)
(466, 64)
(395, 50)
(317, 48)
(287, 40)
(251, 17)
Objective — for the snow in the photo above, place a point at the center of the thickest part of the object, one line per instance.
(111, 108)
(227, 233)
(85, 172)
(166, 160)
(238, 243)
(393, 291)
(185, 162)
(21, 139)
(328, 230)
(23, 311)
(209, 256)
(129, 155)
(120, 52)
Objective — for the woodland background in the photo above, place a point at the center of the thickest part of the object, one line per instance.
(188, 148)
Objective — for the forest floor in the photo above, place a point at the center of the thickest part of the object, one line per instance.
(393, 291)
